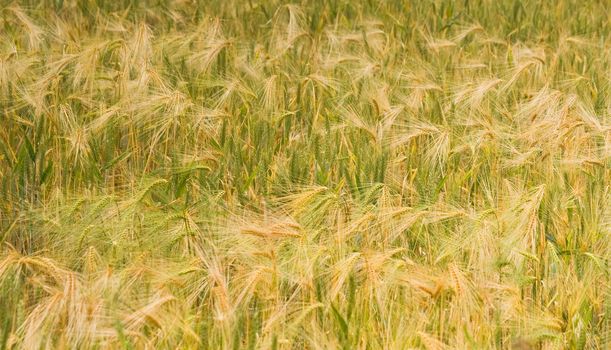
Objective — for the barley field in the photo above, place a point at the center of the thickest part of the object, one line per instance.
(324, 174)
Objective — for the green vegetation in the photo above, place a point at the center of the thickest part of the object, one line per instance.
(339, 174)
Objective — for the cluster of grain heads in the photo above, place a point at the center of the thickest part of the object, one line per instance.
(305, 175)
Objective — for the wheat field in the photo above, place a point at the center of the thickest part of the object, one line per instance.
(338, 174)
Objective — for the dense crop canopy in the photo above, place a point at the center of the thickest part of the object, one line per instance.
(339, 174)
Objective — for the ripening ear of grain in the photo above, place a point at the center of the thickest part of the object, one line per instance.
(305, 175)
